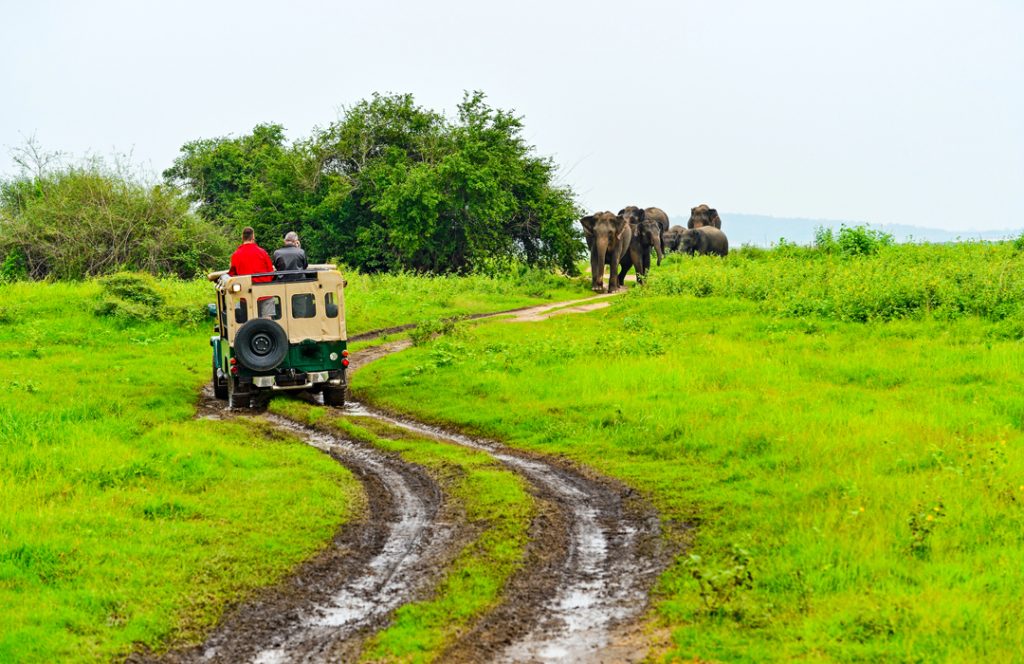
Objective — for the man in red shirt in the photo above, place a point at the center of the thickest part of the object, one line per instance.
(250, 258)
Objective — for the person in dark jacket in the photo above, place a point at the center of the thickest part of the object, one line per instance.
(291, 256)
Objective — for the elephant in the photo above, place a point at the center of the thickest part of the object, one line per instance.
(646, 235)
(704, 240)
(659, 216)
(702, 216)
(635, 215)
(672, 238)
(608, 237)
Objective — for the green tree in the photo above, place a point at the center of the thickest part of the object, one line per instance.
(392, 185)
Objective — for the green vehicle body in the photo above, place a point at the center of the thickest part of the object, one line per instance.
(281, 331)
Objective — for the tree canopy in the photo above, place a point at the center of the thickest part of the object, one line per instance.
(392, 185)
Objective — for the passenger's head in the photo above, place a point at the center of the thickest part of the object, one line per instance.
(291, 238)
(248, 235)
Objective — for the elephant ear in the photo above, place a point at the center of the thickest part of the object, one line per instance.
(716, 221)
(622, 212)
(642, 213)
(620, 225)
(588, 224)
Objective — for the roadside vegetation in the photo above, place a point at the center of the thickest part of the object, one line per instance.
(127, 521)
(847, 476)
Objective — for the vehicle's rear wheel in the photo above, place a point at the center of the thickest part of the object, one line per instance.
(219, 391)
(334, 396)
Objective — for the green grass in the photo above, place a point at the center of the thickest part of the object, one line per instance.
(383, 300)
(857, 489)
(942, 282)
(495, 503)
(125, 521)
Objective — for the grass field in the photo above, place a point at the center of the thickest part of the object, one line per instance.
(125, 521)
(854, 483)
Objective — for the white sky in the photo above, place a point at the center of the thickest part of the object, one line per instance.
(885, 111)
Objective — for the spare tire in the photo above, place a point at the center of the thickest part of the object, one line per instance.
(261, 344)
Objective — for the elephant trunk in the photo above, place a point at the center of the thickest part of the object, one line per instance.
(597, 259)
(657, 246)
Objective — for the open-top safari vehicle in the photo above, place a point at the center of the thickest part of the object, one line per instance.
(277, 331)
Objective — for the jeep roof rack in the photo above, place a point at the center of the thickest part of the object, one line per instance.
(308, 273)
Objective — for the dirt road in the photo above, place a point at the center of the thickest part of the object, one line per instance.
(595, 551)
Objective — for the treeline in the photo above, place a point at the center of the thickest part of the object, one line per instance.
(389, 186)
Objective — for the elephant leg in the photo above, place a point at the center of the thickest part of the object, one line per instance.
(626, 263)
(614, 280)
(636, 259)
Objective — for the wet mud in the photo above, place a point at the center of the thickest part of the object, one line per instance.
(566, 603)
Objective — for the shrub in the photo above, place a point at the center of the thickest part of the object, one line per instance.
(88, 220)
(861, 240)
(131, 297)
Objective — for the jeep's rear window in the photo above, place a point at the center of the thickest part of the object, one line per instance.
(241, 311)
(303, 305)
(330, 305)
(269, 307)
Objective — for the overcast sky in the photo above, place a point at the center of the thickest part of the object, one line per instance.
(884, 111)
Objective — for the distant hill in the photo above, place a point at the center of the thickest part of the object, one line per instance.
(764, 230)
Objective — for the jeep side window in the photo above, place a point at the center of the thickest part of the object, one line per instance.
(269, 307)
(303, 305)
(330, 305)
(241, 311)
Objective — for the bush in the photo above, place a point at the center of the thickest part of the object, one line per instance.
(131, 298)
(87, 220)
(851, 241)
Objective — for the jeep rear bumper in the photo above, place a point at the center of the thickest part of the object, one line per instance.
(313, 378)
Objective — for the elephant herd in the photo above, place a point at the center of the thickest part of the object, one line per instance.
(625, 240)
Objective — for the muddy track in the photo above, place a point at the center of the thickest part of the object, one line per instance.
(572, 604)
(386, 558)
(568, 607)
(595, 550)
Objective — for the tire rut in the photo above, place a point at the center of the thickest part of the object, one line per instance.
(572, 604)
(386, 558)
(601, 580)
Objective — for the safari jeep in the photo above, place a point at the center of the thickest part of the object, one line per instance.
(279, 331)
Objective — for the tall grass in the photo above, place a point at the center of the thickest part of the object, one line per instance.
(851, 487)
(896, 282)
